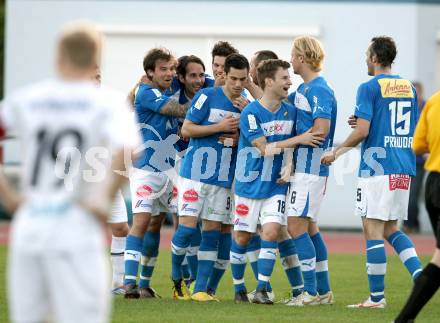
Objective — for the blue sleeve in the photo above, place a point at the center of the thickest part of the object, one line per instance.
(151, 99)
(209, 81)
(250, 126)
(364, 103)
(199, 108)
(322, 103)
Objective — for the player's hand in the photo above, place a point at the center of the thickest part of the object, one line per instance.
(219, 79)
(328, 158)
(352, 121)
(286, 172)
(229, 124)
(230, 139)
(240, 102)
(313, 139)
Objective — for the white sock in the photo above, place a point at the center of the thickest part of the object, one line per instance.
(117, 256)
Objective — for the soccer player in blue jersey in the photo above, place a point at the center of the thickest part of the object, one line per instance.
(192, 78)
(207, 172)
(386, 111)
(152, 190)
(316, 105)
(267, 127)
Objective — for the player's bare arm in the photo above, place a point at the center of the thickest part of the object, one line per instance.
(174, 109)
(254, 90)
(312, 139)
(321, 125)
(359, 133)
(192, 130)
(10, 199)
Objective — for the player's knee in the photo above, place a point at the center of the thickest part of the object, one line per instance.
(155, 224)
(242, 238)
(120, 229)
(270, 235)
(390, 228)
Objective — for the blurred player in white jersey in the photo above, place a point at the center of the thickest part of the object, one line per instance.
(57, 266)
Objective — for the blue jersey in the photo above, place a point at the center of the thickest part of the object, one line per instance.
(157, 130)
(313, 100)
(255, 176)
(390, 104)
(207, 160)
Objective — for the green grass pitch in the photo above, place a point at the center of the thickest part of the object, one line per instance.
(348, 280)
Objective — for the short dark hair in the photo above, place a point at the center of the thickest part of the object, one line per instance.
(236, 61)
(183, 62)
(262, 55)
(153, 56)
(385, 50)
(223, 48)
(268, 68)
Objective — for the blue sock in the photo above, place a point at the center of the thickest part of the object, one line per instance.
(376, 268)
(132, 256)
(185, 269)
(150, 250)
(266, 262)
(307, 257)
(252, 252)
(291, 265)
(224, 248)
(179, 245)
(191, 254)
(238, 265)
(322, 278)
(207, 256)
(404, 247)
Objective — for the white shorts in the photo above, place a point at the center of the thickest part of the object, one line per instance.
(152, 192)
(119, 210)
(251, 212)
(60, 282)
(305, 195)
(210, 202)
(383, 197)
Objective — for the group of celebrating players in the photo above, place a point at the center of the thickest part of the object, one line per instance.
(254, 160)
(252, 163)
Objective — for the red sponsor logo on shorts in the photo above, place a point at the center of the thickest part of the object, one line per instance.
(241, 210)
(174, 192)
(399, 182)
(144, 191)
(190, 196)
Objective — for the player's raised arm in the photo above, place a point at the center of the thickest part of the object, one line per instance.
(174, 109)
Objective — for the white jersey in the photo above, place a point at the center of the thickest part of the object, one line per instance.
(66, 131)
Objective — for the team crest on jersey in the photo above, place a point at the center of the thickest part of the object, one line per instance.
(302, 103)
(399, 182)
(199, 103)
(242, 210)
(144, 191)
(191, 196)
(396, 88)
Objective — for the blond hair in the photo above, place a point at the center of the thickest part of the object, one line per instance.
(80, 45)
(311, 49)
